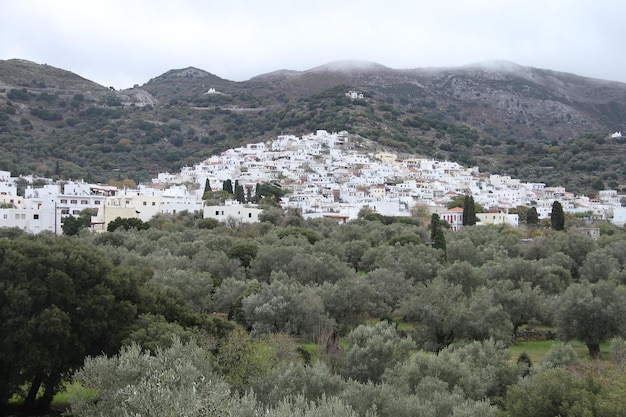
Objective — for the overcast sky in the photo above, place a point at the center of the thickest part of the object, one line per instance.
(120, 43)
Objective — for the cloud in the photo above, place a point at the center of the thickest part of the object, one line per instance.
(122, 43)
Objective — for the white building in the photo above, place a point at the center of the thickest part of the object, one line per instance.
(498, 219)
(43, 209)
(242, 213)
(454, 217)
(619, 216)
(145, 203)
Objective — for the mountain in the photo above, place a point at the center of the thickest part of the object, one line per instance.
(22, 73)
(535, 124)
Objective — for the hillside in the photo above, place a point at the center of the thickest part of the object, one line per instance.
(535, 124)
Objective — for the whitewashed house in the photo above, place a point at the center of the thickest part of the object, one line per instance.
(244, 213)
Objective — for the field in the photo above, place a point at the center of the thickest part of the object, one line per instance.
(537, 349)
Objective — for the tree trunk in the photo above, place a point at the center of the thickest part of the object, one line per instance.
(594, 350)
(34, 406)
(28, 407)
(43, 402)
(4, 390)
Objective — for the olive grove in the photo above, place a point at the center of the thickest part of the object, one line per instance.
(307, 317)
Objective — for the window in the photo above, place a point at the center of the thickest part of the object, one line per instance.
(250, 215)
(97, 202)
(217, 212)
(73, 201)
(63, 201)
(17, 217)
(76, 212)
(84, 201)
(65, 211)
(22, 216)
(154, 203)
(6, 216)
(145, 203)
(36, 216)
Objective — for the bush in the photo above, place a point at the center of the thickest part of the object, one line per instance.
(555, 392)
(374, 349)
(180, 380)
(127, 224)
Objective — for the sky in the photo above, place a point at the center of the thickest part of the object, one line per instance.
(120, 43)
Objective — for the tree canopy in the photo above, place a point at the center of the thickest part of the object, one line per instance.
(365, 317)
(60, 303)
(127, 224)
(592, 313)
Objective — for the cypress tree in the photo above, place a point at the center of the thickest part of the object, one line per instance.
(228, 186)
(465, 210)
(471, 212)
(434, 225)
(437, 238)
(532, 217)
(239, 193)
(207, 186)
(439, 242)
(557, 217)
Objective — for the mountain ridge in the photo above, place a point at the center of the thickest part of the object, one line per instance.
(499, 115)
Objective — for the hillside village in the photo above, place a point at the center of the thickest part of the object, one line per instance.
(323, 174)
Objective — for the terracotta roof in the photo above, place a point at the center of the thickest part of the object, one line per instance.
(454, 210)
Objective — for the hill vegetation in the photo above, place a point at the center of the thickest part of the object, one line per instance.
(533, 124)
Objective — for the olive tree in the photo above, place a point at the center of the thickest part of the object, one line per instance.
(298, 406)
(240, 357)
(554, 392)
(559, 355)
(599, 265)
(195, 287)
(180, 380)
(524, 303)
(312, 382)
(443, 314)
(431, 398)
(284, 305)
(350, 301)
(417, 263)
(591, 313)
(390, 289)
(572, 244)
(374, 349)
(476, 370)
(299, 262)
